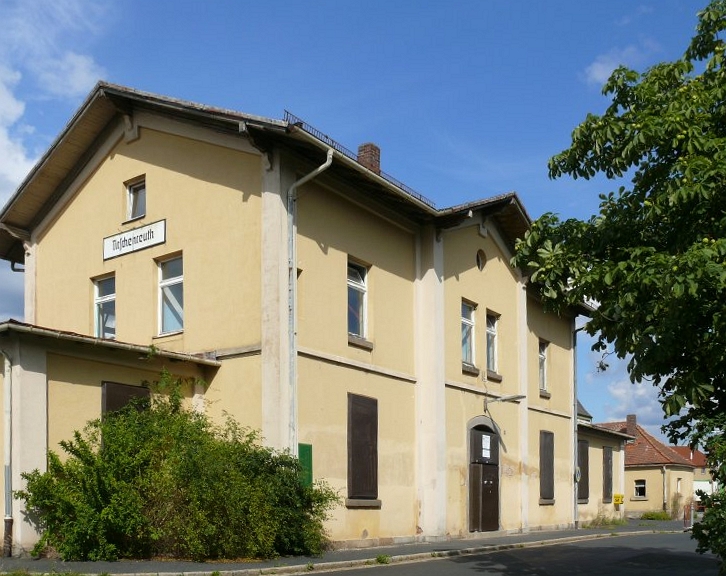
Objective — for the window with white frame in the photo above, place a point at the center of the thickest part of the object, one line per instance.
(543, 349)
(171, 295)
(492, 327)
(136, 200)
(357, 296)
(639, 489)
(105, 307)
(467, 332)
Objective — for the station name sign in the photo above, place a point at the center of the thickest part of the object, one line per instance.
(134, 240)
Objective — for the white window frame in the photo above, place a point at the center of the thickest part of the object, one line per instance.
(638, 484)
(165, 283)
(492, 342)
(362, 288)
(468, 322)
(134, 191)
(98, 302)
(542, 363)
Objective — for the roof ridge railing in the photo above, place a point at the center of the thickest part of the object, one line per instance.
(290, 118)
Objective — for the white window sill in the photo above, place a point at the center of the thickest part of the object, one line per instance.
(168, 334)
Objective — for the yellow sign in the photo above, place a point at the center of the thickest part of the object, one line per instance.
(618, 498)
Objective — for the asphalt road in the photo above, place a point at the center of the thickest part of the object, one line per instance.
(639, 555)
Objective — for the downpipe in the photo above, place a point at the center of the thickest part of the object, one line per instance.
(292, 293)
(7, 454)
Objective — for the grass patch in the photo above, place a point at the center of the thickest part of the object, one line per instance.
(602, 521)
(383, 559)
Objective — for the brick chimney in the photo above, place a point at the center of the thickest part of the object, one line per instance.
(369, 155)
(631, 423)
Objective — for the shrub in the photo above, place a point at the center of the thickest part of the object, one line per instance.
(658, 515)
(160, 480)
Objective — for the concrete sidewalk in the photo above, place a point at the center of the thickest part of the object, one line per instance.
(339, 559)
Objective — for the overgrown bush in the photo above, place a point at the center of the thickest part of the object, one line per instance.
(160, 480)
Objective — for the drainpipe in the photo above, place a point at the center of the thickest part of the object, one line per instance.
(7, 454)
(292, 292)
(665, 496)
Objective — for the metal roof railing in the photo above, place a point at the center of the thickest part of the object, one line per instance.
(290, 118)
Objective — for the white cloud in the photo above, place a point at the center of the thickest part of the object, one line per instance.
(70, 75)
(610, 395)
(37, 47)
(633, 56)
(639, 13)
(14, 159)
(640, 399)
(42, 40)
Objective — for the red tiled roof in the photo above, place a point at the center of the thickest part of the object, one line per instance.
(695, 457)
(646, 450)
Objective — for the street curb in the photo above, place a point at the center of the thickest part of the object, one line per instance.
(383, 559)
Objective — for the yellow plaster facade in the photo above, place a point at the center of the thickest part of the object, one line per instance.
(667, 488)
(268, 231)
(600, 504)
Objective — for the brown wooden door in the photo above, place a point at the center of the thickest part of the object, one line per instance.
(483, 497)
(483, 481)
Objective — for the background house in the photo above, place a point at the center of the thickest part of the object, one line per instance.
(321, 301)
(656, 476)
(702, 479)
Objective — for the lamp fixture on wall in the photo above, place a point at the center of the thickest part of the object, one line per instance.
(509, 398)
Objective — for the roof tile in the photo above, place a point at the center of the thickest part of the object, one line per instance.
(646, 450)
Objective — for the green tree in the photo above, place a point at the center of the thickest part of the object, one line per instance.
(653, 260)
(159, 480)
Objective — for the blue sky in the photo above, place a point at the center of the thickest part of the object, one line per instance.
(466, 99)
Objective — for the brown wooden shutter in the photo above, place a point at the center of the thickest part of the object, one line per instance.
(115, 396)
(362, 447)
(583, 462)
(607, 474)
(546, 465)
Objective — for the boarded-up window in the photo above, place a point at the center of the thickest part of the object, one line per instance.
(607, 474)
(362, 447)
(546, 466)
(583, 463)
(115, 396)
